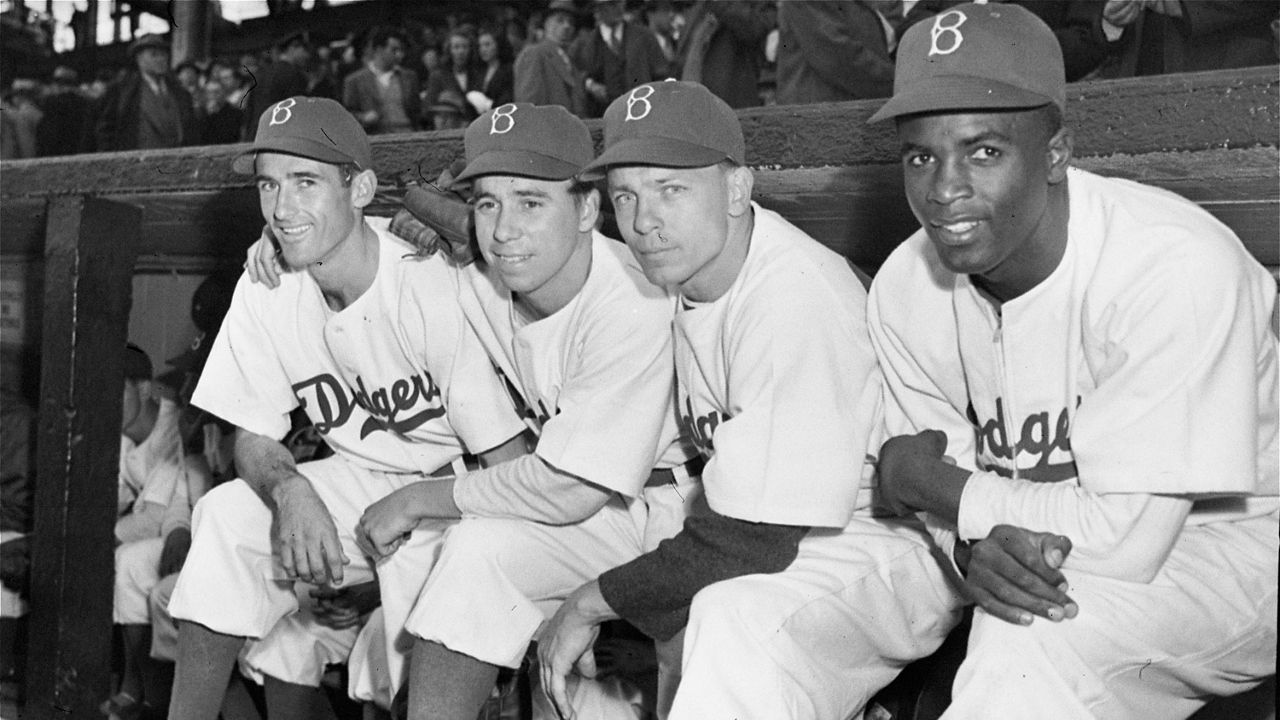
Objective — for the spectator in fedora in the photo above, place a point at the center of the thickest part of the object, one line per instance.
(147, 109)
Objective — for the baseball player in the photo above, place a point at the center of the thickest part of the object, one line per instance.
(368, 339)
(158, 482)
(585, 342)
(795, 602)
(1095, 355)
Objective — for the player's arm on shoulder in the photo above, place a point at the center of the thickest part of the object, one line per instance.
(303, 535)
(610, 412)
(263, 262)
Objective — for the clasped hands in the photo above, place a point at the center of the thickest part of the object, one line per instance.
(1014, 573)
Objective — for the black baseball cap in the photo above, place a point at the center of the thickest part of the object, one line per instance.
(310, 127)
(546, 142)
(977, 57)
(672, 123)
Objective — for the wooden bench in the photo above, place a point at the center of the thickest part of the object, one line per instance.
(85, 224)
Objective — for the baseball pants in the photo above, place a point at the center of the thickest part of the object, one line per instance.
(137, 572)
(818, 639)
(1205, 626)
(233, 584)
(367, 677)
(298, 648)
(164, 634)
(498, 580)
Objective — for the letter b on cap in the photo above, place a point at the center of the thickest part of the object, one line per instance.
(282, 111)
(503, 119)
(947, 34)
(641, 99)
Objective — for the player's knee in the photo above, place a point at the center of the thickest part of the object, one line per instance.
(230, 508)
(135, 566)
(477, 542)
(992, 636)
(734, 603)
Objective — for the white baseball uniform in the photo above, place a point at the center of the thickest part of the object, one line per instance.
(1142, 365)
(157, 472)
(399, 387)
(151, 477)
(779, 388)
(596, 380)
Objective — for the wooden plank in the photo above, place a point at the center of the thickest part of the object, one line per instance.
(859, 204)
(88, 261)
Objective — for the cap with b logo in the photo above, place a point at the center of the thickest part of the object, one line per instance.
(977, 57)
(310, 127)
(673, 123)
(546, 142)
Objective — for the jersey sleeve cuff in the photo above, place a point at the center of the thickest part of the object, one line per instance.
(979, 505)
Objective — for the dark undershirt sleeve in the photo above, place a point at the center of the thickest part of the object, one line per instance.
(653, 591)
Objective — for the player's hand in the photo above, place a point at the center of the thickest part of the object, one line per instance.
(303, 535)
(565, 644)
(174, 553)
(262, 260)
(903, 462)
(385, 525)
(1121, 12)
(341, 608)
(1014, 574)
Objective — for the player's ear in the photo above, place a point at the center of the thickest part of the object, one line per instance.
(588, 210)
(1061, 146)
(740, 182)
(363, 186)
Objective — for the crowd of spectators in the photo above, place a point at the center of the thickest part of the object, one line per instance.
(582, 54)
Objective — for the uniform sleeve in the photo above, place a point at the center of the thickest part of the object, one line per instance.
(653, 592)
(611, 409)
(478, 404)
(1126, 536)
(915, 374)
(912, 328)
(803, 398)
(162, 482)
(1179, 358)
(197, 480)
(526, 488)
(243, 381)
(165, 479)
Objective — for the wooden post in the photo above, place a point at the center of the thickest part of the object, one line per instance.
(89, 256)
